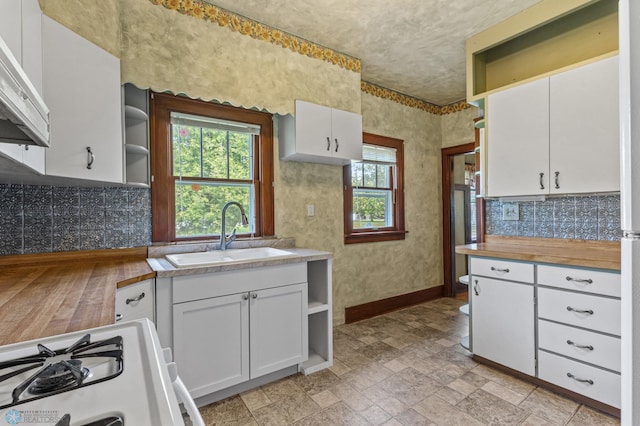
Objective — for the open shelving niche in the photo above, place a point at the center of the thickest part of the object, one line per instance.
(136, 137)
(319, 316)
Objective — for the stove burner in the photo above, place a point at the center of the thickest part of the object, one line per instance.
(62, 370)
(59, 376)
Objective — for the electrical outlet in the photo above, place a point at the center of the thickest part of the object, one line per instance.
(311, 210)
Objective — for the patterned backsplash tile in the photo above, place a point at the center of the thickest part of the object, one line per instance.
(592, 217)
(43, 218)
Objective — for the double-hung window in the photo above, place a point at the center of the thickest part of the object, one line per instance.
(204, 156)
(374, 193)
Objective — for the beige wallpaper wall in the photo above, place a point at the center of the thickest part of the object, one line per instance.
(163, 49)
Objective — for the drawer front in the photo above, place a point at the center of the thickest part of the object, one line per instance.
(215, 284)
(587, 346)
(599, 313)
(587, 280)
(505, 269)
(604, 386)
(140, 297)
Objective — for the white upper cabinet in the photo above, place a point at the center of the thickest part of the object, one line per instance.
(584, 133)
(556, 135)
(82, 90)
(518, 145)
(32, 42)
(320, 134)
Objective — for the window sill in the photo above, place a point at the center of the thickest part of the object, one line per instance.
(374, 236)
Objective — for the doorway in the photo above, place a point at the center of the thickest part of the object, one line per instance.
(459, 212)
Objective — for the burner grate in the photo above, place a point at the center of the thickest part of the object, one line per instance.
(81, 364)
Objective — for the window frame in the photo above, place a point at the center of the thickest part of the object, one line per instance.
(163, 180)
(397, 231)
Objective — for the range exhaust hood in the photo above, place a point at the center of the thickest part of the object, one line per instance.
(24, 117)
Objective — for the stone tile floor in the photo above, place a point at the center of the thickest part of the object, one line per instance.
(403, 368)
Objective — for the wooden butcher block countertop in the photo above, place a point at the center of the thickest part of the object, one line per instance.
(47, 294)
(590, 254)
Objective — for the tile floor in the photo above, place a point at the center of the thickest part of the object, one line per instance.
(403, 368)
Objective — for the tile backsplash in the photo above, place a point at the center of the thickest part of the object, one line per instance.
(594, 217)
(45, 218)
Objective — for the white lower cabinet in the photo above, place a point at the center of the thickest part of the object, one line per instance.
(502, 325)
(232, 327)
(576, 323)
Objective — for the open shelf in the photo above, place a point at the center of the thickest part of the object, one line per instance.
(134, 115)
(136, 149)
(315, 307)
(464, 342)
(464, 309)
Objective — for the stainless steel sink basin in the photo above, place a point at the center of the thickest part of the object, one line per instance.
(218, 257)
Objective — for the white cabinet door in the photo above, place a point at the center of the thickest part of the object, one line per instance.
(502, 323)
(518, 140)
(211, 343)
(34, 157)
(32, 42)
(11, 26)
(584, 130)
(82, 90)
(279, 332)
(313, 129)
(346, 135)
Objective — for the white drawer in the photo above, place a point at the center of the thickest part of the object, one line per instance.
(599, 313)
(202, 286)
(505, 269)
(587, 280)
(604, 386)
(587, 346)
(140, 298)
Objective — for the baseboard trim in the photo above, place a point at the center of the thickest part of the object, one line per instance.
(382, 306)
(601, 406)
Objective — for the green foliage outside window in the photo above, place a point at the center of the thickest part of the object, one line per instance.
(223, 162)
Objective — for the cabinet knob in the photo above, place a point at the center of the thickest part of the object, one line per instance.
(245, 296)
(254, 295)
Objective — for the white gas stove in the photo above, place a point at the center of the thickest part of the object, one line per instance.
(112, 375)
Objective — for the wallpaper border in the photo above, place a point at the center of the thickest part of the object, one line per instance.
(410, 101)
(238, 23)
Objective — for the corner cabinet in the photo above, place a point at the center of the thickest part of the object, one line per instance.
(319, 134)
(82, 90)
(136, 135)
(556, 135)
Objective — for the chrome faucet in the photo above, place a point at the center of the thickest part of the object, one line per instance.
(225, 240)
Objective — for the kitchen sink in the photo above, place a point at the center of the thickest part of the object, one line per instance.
(219, 257)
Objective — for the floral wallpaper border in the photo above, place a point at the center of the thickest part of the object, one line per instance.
(237, 23)
(410, 101)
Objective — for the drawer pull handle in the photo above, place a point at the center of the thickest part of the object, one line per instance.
(118, 317)
(136, 299)
(580, 311)
(506, 270)
(476, 288)
(569, 342)
(571, 376)
(580, 280)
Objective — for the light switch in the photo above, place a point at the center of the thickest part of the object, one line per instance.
(311, 210)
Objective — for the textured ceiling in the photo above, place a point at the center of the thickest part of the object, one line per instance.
(415, 47)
